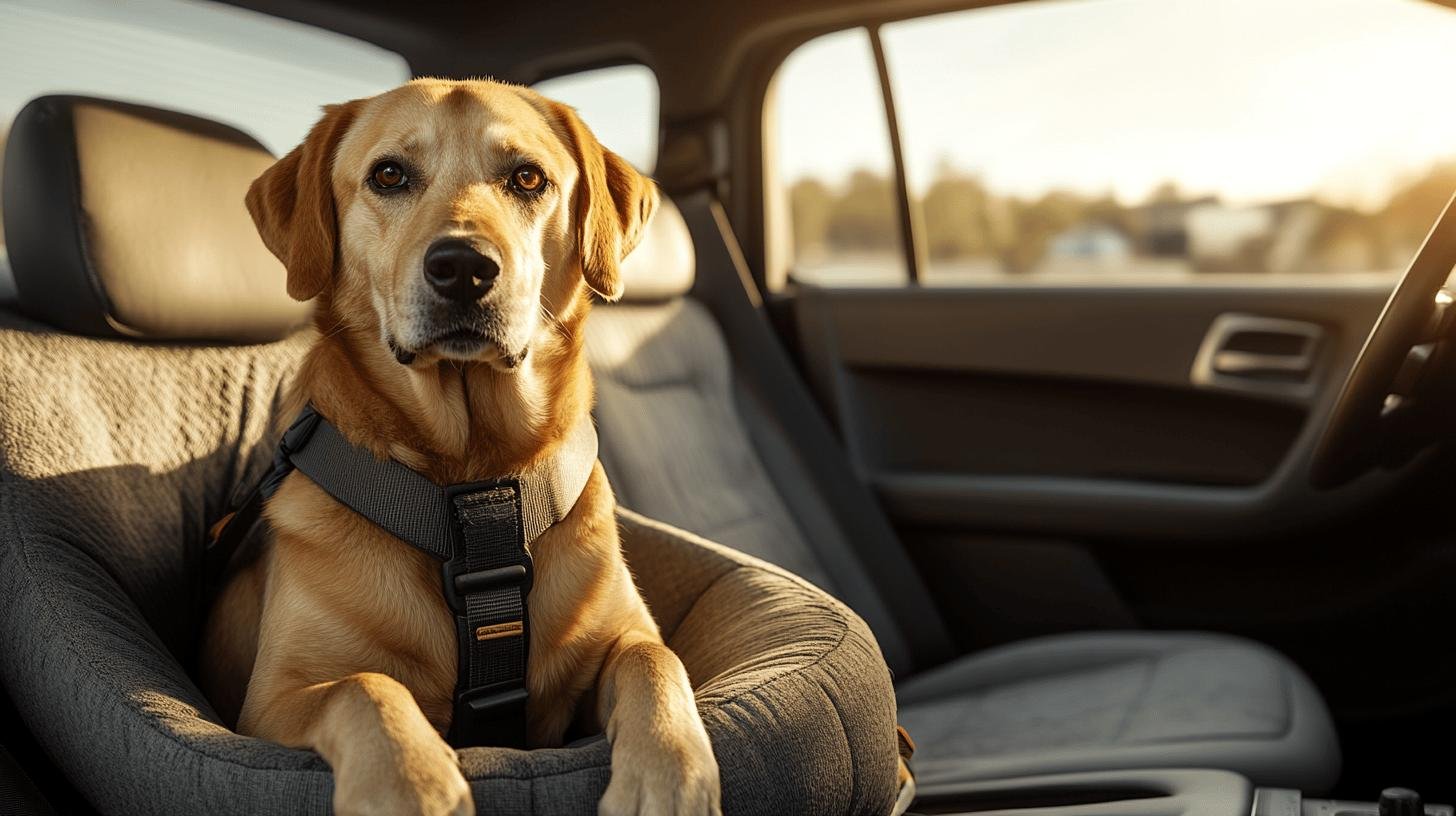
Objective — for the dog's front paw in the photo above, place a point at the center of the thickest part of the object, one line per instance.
(663, 775)
(421, 780)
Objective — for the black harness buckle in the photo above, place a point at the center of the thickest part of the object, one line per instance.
(493, 715)
(486, 583)
(457, 579)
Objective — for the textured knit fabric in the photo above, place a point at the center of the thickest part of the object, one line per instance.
(116, 456)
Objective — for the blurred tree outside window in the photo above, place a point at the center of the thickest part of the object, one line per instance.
(834, 144)
(1145, 140)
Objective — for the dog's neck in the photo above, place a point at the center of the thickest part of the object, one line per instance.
(454, 422)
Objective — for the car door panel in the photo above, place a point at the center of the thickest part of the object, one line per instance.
(1077, 409)
(1052, 464)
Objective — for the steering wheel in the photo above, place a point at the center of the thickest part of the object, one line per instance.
(1388, 408)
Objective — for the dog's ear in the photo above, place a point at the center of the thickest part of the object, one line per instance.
(292, 204)
(613, 204)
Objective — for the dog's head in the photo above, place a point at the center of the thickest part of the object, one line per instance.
(453, 217)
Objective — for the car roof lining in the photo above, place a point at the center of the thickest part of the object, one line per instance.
(528, 42)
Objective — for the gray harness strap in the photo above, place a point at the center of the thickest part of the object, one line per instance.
(480, 531)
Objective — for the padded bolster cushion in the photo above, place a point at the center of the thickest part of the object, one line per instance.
(127, 220)
(101, 527)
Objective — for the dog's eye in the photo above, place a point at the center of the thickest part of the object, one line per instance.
(528, 178)
(388, 175)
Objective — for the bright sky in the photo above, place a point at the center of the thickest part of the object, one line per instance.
(1251, 99)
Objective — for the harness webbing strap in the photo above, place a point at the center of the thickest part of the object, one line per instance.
(480, 531)
(406, 504)
(492, 623)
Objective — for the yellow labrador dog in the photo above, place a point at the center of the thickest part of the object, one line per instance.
(337, 637)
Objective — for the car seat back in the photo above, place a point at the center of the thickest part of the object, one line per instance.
(716, 434)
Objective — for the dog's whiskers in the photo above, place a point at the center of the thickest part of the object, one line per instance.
(339, 327)
(552, 319)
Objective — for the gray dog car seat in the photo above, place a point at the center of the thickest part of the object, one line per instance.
(127, 432)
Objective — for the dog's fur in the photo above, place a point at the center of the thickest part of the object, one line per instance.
(337, 637)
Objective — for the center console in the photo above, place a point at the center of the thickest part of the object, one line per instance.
(1151, 793)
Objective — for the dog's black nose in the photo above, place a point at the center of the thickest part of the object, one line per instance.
(457, 271)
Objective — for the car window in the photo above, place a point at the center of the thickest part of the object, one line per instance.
(261, 74)
(1302, 138)
(833, 153)
(619, 104)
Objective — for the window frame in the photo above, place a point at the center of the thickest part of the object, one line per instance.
(912, 220)
(778, 266)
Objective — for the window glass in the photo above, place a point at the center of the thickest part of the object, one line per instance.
(619, 104)
(1167, 138)
(834, 163)
(263, 75)
(1146, 140)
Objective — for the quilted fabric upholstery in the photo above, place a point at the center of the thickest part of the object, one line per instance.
(672, 440)
(114, 458)
(1120, 700)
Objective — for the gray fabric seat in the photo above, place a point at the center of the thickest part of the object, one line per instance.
(1122, 700)
(705, 426)
(118, 452)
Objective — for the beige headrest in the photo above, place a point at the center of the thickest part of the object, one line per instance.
(663, 265)
(127, 220)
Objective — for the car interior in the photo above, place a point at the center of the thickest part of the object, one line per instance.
(1111, 403)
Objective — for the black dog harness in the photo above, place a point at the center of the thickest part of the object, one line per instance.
(479, 531)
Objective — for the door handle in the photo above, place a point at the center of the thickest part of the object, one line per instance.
(1248, 363)
(1269, 356)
